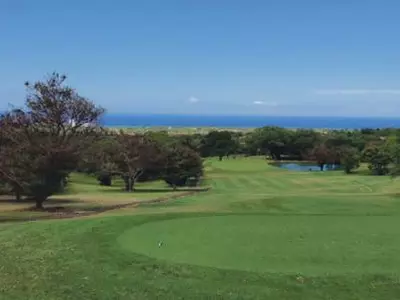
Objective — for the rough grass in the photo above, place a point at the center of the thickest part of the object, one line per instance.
(261, 233)
(84, 193)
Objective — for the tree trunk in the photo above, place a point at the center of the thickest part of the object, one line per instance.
(39, 202)
(17, 195)
(128, 183)
(130, 180)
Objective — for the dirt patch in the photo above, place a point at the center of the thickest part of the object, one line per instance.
(61, 212)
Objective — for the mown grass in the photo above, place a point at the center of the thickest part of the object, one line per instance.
(261, 233)
(251, 184)
(310, 245)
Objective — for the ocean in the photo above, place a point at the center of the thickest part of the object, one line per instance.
(224, 121)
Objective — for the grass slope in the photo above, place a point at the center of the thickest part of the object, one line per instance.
(261, 233)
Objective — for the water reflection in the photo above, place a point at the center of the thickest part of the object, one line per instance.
(306, 167)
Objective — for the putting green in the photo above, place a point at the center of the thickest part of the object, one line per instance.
(286, 244)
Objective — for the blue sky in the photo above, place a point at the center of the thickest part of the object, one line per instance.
(270, 57)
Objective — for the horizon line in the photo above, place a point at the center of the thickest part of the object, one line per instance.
(248, 115)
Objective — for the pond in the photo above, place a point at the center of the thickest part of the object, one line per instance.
(300, 166)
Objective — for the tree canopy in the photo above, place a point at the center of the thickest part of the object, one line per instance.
(43, 141)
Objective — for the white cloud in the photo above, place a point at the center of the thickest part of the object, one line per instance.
(193, 99)
(358, 92)
(258, 102)
(272, 104)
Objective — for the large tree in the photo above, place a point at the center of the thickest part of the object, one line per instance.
(43, 141)
(136, 154)
(98, 159)
(393, 146)
(218, 143)
(302, 141)
(349, 158)
(181, 164)
(378, 159)
(14, 159)
(192, 141)
(270, 140)
(323, 155)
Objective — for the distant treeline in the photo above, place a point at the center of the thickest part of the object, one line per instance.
(377, 147)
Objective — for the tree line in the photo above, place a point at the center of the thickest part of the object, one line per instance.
(379, 148)
(58, 132)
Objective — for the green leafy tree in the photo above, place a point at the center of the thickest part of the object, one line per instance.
(349, 159)
(192, 141)
(378, 159)
(396, 161)
(302, 141)
(393, 146)
(218, 143)
(270, 140)
(182, 164)
(161, 136)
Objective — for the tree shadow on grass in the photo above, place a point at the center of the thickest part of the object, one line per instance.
(9, 200)
(61, 212)
(156, 190)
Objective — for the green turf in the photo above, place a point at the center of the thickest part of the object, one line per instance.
(311, 245)
(261, 233)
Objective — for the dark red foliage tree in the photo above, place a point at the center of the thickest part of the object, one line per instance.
(42, 143)
(136, 154)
